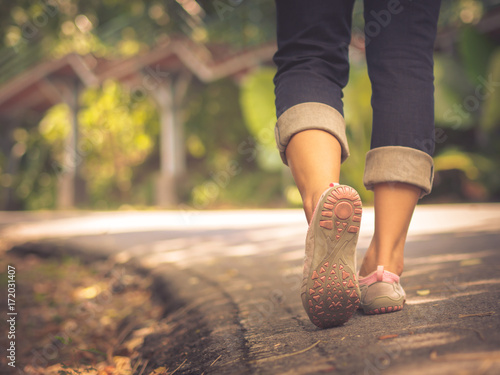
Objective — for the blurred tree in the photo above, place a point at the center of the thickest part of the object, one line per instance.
(106, 27)
(117, 133)
(467, 147)
(34, 186)
(257, 104)
(358, 117)
(222, 151)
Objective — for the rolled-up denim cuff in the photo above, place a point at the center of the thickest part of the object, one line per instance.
(310, 116)
(399, 164)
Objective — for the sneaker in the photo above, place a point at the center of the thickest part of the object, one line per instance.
(381, 292)
(330, 292)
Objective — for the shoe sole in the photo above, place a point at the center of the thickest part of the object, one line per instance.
(332, 293)
(383, 310)
(383, 305)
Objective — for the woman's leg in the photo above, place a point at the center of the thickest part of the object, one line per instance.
(312, 60)
(394, 205)
(313, 68)
(399, 169)
(314, 159)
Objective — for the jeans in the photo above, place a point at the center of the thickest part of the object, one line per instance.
(313, 68)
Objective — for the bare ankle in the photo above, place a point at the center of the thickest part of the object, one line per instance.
(310, 202)
(391, 259)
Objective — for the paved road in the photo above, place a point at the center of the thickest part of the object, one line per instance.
(232, 281)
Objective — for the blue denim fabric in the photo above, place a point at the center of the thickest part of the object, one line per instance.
(312, 60)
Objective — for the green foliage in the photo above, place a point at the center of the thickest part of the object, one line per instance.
(213, 124)
(490, 118)
(470, 103)
(117, 133)
(449, 93)
(222, 152)
(475, 50)
(55, 128)
(257, 103)
(453, 158)
(32, 182)
(358, 117)
(238, 22)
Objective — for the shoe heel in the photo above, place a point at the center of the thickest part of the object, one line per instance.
(332, 293)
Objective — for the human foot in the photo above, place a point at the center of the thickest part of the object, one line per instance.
(381, 292)
(330, 292)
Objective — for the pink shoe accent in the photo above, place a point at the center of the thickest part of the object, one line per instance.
(327, 224)
(379, 275)
(343, 210)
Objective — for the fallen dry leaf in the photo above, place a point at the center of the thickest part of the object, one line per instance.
(423, 292)
(108, 370)
(123, 366)
(489, 313)
(470, 262)
(159, 371)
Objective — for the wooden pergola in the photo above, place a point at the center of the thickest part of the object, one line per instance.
(163, 72)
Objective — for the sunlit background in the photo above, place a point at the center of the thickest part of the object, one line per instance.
(135, 104)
